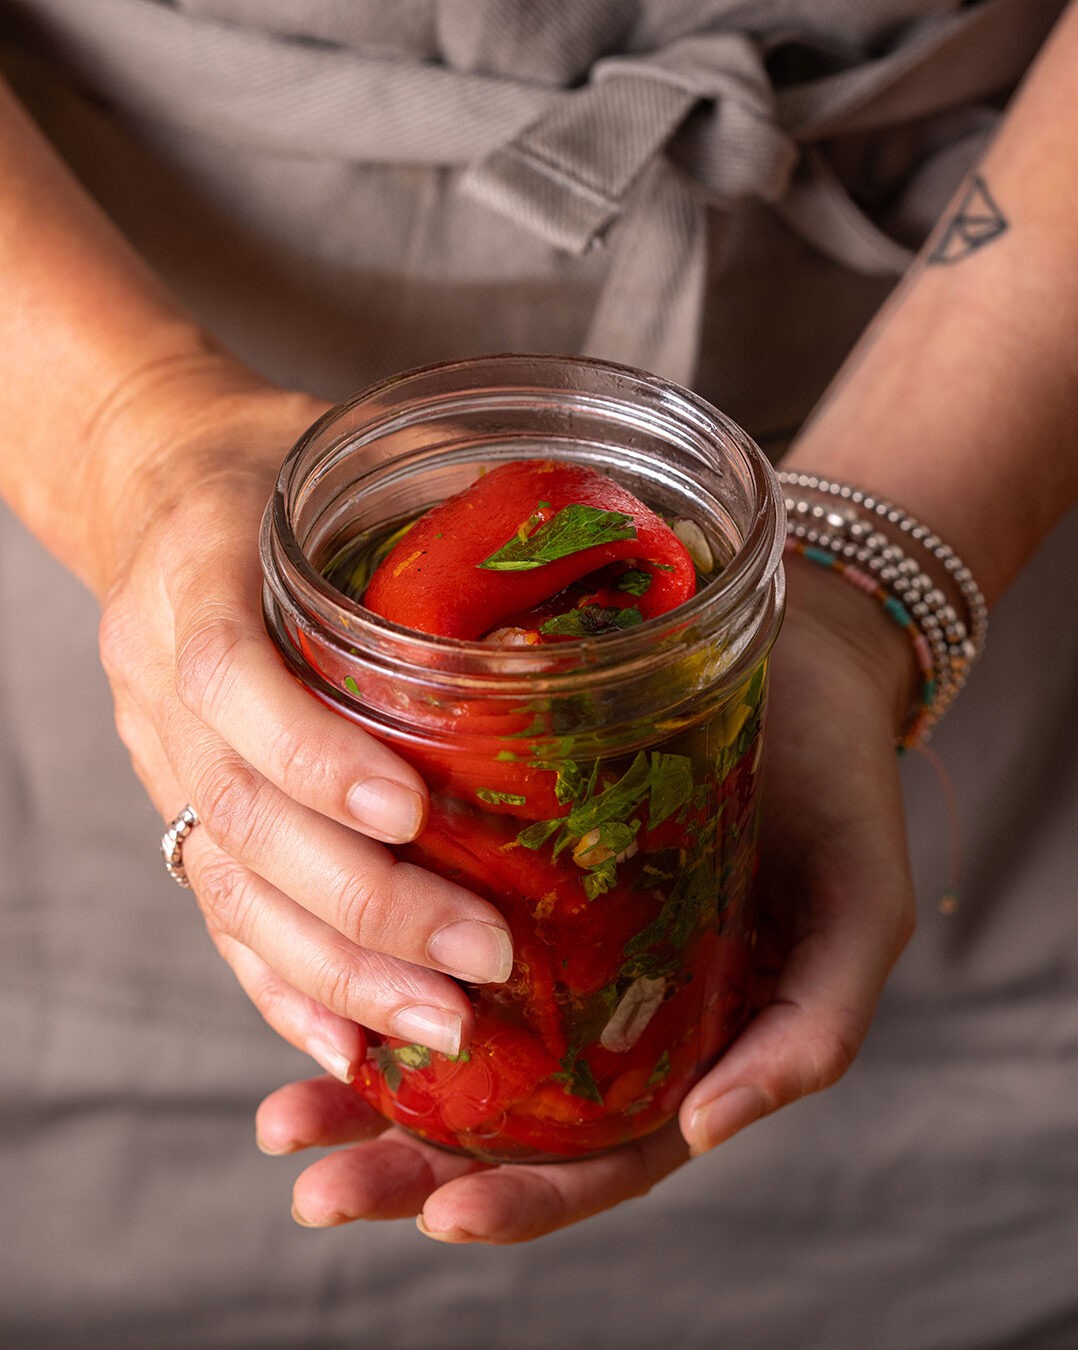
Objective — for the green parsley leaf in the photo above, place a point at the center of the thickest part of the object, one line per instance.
(617, 802)
(670, 786)
(570, 783)
(535, 836)
(634, 582)
(661, 1069)
(592, 620)
(494, 798)
(413, 1056)
(578, 1078)
(574, 528)
(602, 878)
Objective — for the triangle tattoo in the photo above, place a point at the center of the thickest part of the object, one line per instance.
(976, 222)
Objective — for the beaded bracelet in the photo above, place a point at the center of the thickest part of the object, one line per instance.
(917, 724)
(834, 533)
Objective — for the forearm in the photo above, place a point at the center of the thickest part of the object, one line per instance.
(961, 401)
(87, 332)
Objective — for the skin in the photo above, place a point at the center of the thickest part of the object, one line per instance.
(146, 473)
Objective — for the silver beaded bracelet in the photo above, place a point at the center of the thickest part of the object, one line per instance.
(864, 536)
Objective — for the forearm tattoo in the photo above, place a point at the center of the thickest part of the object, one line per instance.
(975, 221)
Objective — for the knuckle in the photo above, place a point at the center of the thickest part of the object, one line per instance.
(303, 767)
(271, 997)
(129, 725)
(206, 666)
(116, 641)
(339, 986)
(356, 908)
(229, 796)
(834, 1050)
(227, 896)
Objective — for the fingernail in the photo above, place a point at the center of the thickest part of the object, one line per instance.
(276, 1150)
(330, 1058)
(445, 1234)
(474, 951)
(301, 1220)
(389, 810)
(717, 1121)
(435, 1028)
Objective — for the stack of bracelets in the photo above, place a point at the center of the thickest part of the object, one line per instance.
(865, 541)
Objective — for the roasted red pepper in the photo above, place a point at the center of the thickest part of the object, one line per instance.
(623, 879)
(519, 536)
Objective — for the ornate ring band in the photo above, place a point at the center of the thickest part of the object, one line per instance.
(172, 842)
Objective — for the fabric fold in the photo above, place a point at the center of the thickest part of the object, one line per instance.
(632, 159)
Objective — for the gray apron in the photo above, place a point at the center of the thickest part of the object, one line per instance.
(720, 191)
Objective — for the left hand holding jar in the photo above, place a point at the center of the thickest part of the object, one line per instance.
(322, 926)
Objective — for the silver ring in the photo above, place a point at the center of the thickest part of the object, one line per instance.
(172, 845)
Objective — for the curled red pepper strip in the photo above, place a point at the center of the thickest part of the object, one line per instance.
(439, 578)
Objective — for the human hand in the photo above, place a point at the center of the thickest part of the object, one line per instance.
(321, 925)
(838, 908)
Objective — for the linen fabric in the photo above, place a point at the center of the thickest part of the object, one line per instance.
(723, 192)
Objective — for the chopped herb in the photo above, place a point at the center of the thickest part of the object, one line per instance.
(537, 727)
(602, 878)
(570, 784)
(634, 582)
(670, 786)
(350, 684)
(692, 900)
(535, 836)
(574, 528)
(617, 802)
(413, 1056)
(661, 1069)
(578, 1078)
(494, 798)
(592, 620)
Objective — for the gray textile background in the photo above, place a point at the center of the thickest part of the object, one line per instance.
(346, 189)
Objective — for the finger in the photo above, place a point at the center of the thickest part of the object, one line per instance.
(459, 1200)
(308, 982)
(386, 1178)
(147, 755)
(351, 883)
(520, 1203)
(390, 996)
(317, 1112)
(229, 676)
(335, 1043)
(808, 1035)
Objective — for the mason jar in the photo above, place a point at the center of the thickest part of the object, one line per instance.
(600, 791)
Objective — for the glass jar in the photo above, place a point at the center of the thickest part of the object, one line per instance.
(601, 792)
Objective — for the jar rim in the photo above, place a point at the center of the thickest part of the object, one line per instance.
(754, 563)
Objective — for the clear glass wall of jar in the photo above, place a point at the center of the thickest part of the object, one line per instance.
(633, 963)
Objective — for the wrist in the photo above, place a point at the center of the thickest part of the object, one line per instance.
(173, 425)
(857, 632)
